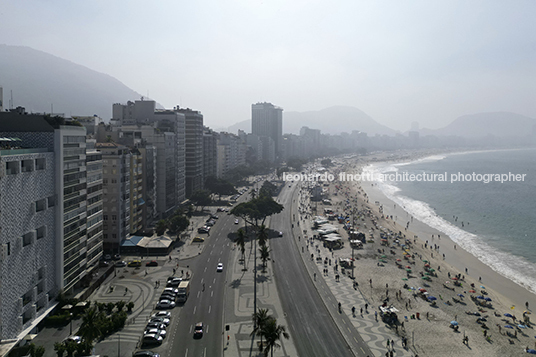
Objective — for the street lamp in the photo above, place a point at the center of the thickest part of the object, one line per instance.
(71, 324)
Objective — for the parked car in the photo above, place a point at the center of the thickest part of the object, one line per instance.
(120, 264)
(117, 257)
(152, 339)
(145, 354)
(155, 324)
(164, 314)
(152, 263)
(107, 257)
(155, 331)
(75, 339)
(134, 263)
(169, 297)
(198, 330)
(104, 264)
(198, 240)
(165, 304)
(203, 229)
(160, 320)
(280, 234)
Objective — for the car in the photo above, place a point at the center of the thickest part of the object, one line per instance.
(107, 257)
(198, 330)
(165, 304)
(203, 229)
(134, 263)
(198, 240)
(171, 290)
(219, 209)
(104, 264)
(167, 297)
(219, 268)
(214, 216)
(236, 221)
(152, 339)
(117, 257)
(210, 223)
(75, 339)
(145, 354)
(280, 234)
(120, 264)
(152, 263)
(164, 314)
(160, 320)
(155, 324)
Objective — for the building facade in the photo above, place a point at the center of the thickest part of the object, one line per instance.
(267, 120)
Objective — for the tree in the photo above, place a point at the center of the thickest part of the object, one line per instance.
(268, 188)
(91, 327)
(201, 198)
(130, 306)
(178, 223)
(120, 305)
(273, 332)
(219, 187)
(161, 227)
(262, 235)
(59, 347)
(265, 254)
(259, 320)
(296, 163)
(256, 210)
(241, 242)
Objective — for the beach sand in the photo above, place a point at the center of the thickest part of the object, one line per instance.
(431, 334)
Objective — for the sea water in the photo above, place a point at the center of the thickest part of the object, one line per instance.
(494, 220)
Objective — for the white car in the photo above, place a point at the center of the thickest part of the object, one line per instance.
(155, 331)
(219, 268)
(164, 314)
(165, 304)
(236, 221)
(152, 338)
(160, 320)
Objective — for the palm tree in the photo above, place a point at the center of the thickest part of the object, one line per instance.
(241, 242)
(273, 332)
(91, 325)
(262, 235)
(265, 254)
(259, 320)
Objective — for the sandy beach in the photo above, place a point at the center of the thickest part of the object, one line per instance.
(384, 262)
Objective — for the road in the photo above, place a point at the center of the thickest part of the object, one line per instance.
(313, 328)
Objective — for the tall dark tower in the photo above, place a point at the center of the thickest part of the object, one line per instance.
(267, 120)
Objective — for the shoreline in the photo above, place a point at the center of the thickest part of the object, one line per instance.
(460, 257)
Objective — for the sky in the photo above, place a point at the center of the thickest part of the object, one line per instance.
(399, 61)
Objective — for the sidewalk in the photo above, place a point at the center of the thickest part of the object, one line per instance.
(239, 307)
(374, 332)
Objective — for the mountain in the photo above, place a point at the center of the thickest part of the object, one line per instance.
(332, 120)
(39, 80)
(500, 124)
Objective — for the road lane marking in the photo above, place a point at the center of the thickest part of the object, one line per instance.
(214, 282)
(209, 308)
(202, 279)
(195, 308)
(198, 293)
(212, 293)
(186, 354)
(205, 270)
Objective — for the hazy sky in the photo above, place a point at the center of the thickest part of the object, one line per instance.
(399, 61)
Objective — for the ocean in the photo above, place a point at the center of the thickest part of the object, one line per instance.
(462, 196)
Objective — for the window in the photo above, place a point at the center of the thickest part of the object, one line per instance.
(114, 217)
(40, 164)
(27, 239)
(51, 201)
(40, 205)
(27, 165)
(12, 167)
(41, 232)
(105, 236)
(105, 217)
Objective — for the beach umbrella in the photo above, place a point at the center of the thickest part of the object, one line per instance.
(408, 267)
(404, 278)
(472, 291)
(521, 326)
(426, 293)
(508, 326)
(531, 351)
(527, 312)
(461, 295)
(408, 270)
(431, 269)
(399, 260)
(422, 290)
(454, 278)
(432, 298)
(508, 315)
(480, 297)
(427, 265)
(427, 273)
(487, 299)
(426, 261)
(454, 323)
(483, 287)
(383, 256)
